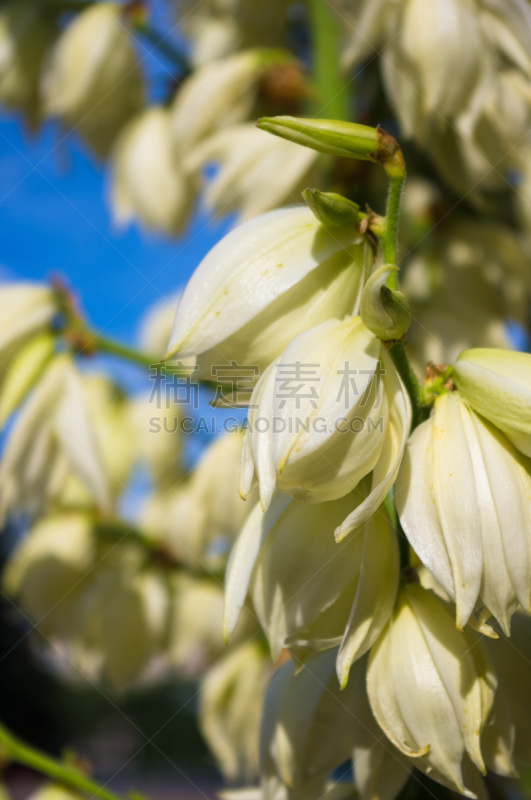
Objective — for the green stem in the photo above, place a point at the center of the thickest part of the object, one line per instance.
(331, 89)
(420, 406)
(16, 750)
(390, 232)
(104, 345)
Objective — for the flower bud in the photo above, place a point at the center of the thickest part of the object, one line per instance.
(292, 273)
(497, 384)
(431, 687)
(148, 181)
(347, 139)
(464, 497)
(309, 592)
(332, 209)
(349, 415)
(94, 89)
(384, 311)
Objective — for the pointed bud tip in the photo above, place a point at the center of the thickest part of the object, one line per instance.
(384, 311)
(331, 209)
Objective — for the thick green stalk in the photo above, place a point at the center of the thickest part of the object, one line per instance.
(332, 91)
(390, 232)
(15, 750)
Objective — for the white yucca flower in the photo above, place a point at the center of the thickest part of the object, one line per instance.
(464, 497)
(45, 569)
(350, 415)
(292, 272)
(93, 80)
(25, 36)
(51, 436)
(309, 592)
(310, 727)
(148, 181)
(497, 384)
(195, 638)
(230, 707)
(431, 688)
(257, 171)
(216, 95)
(199, 519)
(25, 310)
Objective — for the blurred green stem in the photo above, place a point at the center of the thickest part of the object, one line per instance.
(104, 345)
(13, 749)
(332, 91)
(421, 406)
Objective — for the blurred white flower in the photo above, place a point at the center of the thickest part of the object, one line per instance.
(257, 171)
(51, 436)
(292, 272)
(463, 494)
(93, 80)
(216, 95)
(25, 37)
(431, 688)
(230, 707)
(148, 181)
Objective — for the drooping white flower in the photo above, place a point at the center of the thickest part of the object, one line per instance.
(330, 410)
(463, 494)
(93, 80)
(148, 181)
(25, 36)
(216, 95)
(310, 727)
(230, 706)
(52, 434)
(257, 172)
(262, 284)
(497, 384)
(309, 592)
(431, 687)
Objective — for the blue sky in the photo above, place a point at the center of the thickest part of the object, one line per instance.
(55, 217)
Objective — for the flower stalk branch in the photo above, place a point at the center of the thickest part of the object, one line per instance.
(13, 749)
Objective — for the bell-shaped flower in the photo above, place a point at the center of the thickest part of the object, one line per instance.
(230, 707)
(257, 172)
(23, 370)
(52, 435)
(291, 272)
(464, 497)
(47, 566)
(216, 95)
(94, 90)
(310, 727)
(26, 309)
(195, 639)
(26, 33)
(431, 687)
(148, 181)
(199, 519)
(330, 410)
(497, 384)
(309, 592)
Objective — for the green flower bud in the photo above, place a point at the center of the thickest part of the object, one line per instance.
(347, 139)
(383, 311)
(332, 209)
